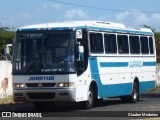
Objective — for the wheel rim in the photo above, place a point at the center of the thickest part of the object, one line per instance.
(90, 98)
(135, 94)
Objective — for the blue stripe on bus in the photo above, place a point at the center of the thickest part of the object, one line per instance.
(123, 64)
(37, 29)
(114, 90)
(146, 85)
(114, 64)
(90, 28)
(28, 29)
(149, 63)
(119, 30)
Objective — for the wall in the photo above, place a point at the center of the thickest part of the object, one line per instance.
(5, 79)
(158, 75)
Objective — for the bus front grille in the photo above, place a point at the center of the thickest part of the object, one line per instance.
(42, 84)
(41, 95)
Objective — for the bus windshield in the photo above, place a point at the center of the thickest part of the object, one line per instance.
(44, 52)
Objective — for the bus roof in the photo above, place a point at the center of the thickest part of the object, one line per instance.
(92, 25)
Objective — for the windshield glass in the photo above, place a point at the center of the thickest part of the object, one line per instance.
(44, 52)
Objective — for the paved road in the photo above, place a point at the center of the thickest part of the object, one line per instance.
(148, 102)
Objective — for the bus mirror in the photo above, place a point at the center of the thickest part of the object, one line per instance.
(80, 49)
(7, 48)
(8, 56)
(81, 52)
(79, 34)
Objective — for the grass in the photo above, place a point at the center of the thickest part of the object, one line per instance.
(7, 100)
(154, 90)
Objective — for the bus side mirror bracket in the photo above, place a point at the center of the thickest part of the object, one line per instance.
(79, 34)
(79, 37)
(80, 49)
(8, 56)
(80, 60)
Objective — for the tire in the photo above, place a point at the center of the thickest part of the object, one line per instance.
(91, 99)
(134, 97)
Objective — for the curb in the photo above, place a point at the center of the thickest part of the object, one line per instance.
(154, 95)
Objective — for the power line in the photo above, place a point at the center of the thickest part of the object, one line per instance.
(100, 8)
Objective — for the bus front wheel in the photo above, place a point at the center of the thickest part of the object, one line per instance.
(91, 99)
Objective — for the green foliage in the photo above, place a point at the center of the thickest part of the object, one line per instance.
(6, 37)
(6, 100)
(157, 40)
(146, 26)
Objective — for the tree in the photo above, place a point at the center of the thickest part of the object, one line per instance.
(157, 40)
(146, 26)
(6, 37)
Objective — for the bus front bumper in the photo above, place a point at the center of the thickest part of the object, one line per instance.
(50, 95)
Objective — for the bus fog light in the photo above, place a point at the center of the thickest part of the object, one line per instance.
(60, 84)
(65, 84)
(19, 85)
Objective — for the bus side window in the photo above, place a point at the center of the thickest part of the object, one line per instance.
(134, 44)
(96, 43)
(110, 43)
(144, 45)
(123, 44)
(151, 45)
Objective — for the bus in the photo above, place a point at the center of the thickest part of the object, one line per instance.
(82, 61)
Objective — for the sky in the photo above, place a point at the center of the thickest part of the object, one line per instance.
(132, 13)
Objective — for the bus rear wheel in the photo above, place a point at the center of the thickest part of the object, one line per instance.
(134, 97)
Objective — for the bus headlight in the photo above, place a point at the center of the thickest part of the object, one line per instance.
(65, 84)
(19, 85)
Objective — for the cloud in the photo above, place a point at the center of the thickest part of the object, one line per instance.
(134, 19)
(76, 14)
(51, 6)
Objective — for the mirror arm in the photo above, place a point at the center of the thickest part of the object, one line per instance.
(7, 52)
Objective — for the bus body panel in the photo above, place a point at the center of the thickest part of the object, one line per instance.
(41, 85)
(114, 74)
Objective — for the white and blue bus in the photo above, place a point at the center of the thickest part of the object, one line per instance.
(82, 61)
